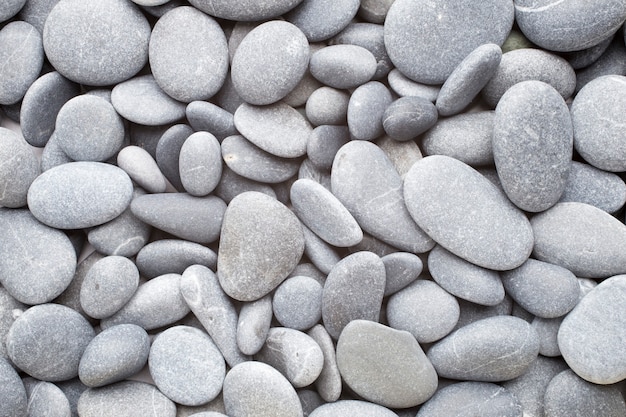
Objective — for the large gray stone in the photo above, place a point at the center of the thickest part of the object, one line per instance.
(19, 167)
(352, 408)
(125, 398)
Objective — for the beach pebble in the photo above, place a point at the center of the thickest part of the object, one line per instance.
(403, 86)
(10, 9)
(587, 184)
(12, 391)
(371, 37)
(322, 19)
(246, 10)
(321, 254)
(125, 398)
(10, 309)
(472, 312)
(167, 152)
(327, 106)
(232, 184)
(52, 154)
(19, 167)
(208, 117)
(352, 408)
(366, 347)
(173, 256)
(408, 117)
(200, 164)
(401, 269)
(343, 66)
(329, 382)
(254, 323)
(45, 399)
(141, 168)
(323, 144)
(297, 303)
(403, 154)
(548, 330)
(113, 355)
(611, 62)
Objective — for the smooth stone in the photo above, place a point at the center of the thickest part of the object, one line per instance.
(423, 309)
(247, 10)
(611, 62)
(277, 128)
(141, 168)
(308, 170)
(530, 64)
(255, 388)
(366, 182)
(264, 68)
(365, 110)
(71, 296)
(548, 330)
(366, 347)
(468, 78)
(408, 117)
(466, 137)
(472, 312)
(79, 194)
(582, 238)
(169, 256)
(35, 12)
(327, 106)
(590, 337)
(125, 398)
(10, 309)
(565, 27)
(168, 151)
(155, 304)
(567, 394)
(532, 145)
(261, 243)
(205, 116)
(371, 37)
(19, 167)
(52, 154)
(252, 162)
(353, 290)
(328, 383)
(197, 219)
(374, 11)
(343, 66)
(324, 142)
(214, 309)
(232, 184)
(115, 354)
(38, 262)
(10, 8)
(321, 254)
(45, 399)
(108, 285)
(297, 303)
(489, 350)
(12, 392)
(298, 97)
(426, 41)
(255, 318)
(352, 408)
(321, 20)
(543, 289)
(587, 184)
(403, 86)
(401, 269)
(585, 57)
(72, 389)
(41, 104)
(308, 270)
(403, 154)
(85, 22)
(48, 340)
(146, 137)
(238, 32)
(200, 164)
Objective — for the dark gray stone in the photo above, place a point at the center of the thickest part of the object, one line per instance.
(205, 116)
(548, 329)
(168, 256)
(352, 408)
(585, 57)
(374, 11)
(247, 10)
(328, 383)
(48, 340)
(401, 269)
(19, 167)
(366, 108)
(408, 117)
(365, 348)
(309, 400)
(146, 137)
(587, 184)
(45, 399)
(200, 164)
(254, 323)
(371, 37)
(12, 392)
(113, 355)
(472, 312)
(343, 66)
(297, 303)
(86, 59)
(321, 254)
(322, 19)
(168, 151)
(232, 184)
(404, 86)
(611, 62)
(324, 142)
(327, 106)
(125, 398)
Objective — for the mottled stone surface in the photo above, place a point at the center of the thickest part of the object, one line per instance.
(587, 184)
(125, 398)
(200, 164)
(297, 302)
(343, 66)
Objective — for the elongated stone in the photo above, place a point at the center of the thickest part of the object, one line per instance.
(125, 398)
(328, 383)
(207, 117)
(587, 184)
(247, 10)
(343, 66)
(173, 256)
(371, 37)
(141, 168)
(19, 167)
(254, 323)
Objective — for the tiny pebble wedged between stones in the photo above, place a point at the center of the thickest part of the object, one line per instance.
(401, 269)
(408, 117)
(19, 167)
(142, 168)
(548, 330)
(343, 66)
(321, 254)
(297, 302)
(125, 398)
(232, 184)
(366, 108)
(352, 408)
(12, 392)
(328, 383)
(200, 164)
(587, 184)
(471, 312)
(401, 154)
(45, 399)
(10, 309)
(253, 325)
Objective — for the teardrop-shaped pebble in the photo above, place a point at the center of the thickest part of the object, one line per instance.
(366, 108)
(343, 66)
(125, 398)
(173, 256)
(200, 164)
(142, 168)
(587, 184)
(19, 167)
(328, 383)
(408, 117)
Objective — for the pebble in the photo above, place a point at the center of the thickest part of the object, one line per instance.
(327, 106)
(12, 391)
(173, 256)
(71, 296)
(328, 383)
(343, 66)
(321, 254)
(269, 62)
(246, 10)
(590, 337)
(200, 164)
(402, 154)
(408, 117)
(47, 342)
(276, 128)
(321, 20)
(156, 303)
(23, 240)
(79, 194)
(260, 244)
(472, 312)
(186, 365)
(232, 184)
(254, 388)
(72, 389)
(368, 185)
(142, 168)
(324, 142)
(587, 184)
(19, 167)
(46, 399)
(10, 9)
(41, 104)
(255, 318)
(363, 351)
(611, 62)
(401, 269)
(309, 170)
(205, 116)
(101, 63)
(371, 37)
(467, 398)
(548, 329)
(343, 300)
(115, 354)
(168, 150)
(366, 108)
(352, 408)
(585, 57)
(297, 303)
(423, 309)
(146, 137)
(125, 398)
(10, 309)
(108, 285)
(197, 219)
(374, 11)
(403, 86)
(426, 42)
(439, 191)
(52, 154)
(582, 238)
(532, 145)
(493, 349)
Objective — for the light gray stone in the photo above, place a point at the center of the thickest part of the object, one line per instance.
(46, 399)
(247, 10)
(200, 164)
(371, 37)
(19, 167)
(404, 86)
(10, 309)
(10, 9)
(53, 155)
(324, 142)
(328, 383)
(352, 408)
(587, 184)
(343, 66)
(611, 62)
(365, 110)
(125, 398)
(401, 269)
(254, 323)
(472, 312)
(321, 254)
(232, 184)
(401, 154)
(142, 168)
(408, 117)
(320, 20)
(173, 256)
(297, 303)
(327, 106)
(71, 296)
(12, 391)
(208, 117)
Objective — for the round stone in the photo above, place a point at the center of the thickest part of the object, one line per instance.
(408, 117)
(321, 20)
(587, 184)
(365, 110)
(297, 303)
(352, 408)
(343, 66)
(327, 106)
(12, 391)
(548, 330)
(125, 398)
(10, 9)
(45, 399)
(246, 10)
(208, 117)
(401, 269)
(200, 164)
(73, 34)
(19, 167)
(168, 256)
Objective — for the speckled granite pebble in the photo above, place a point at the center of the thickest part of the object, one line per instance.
(365, 110)
(548, 330)
(408, 117)
(327, 106)
(401, 268)
(19, 167)
(125, 398)
(173, 256)
(141, 168)
(10, 8)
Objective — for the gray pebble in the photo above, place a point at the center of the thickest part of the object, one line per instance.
(321, 254)
(308, 84)
(168, 256)
(86, 59)
(10, 8)
(146, 137)
(343, 66)
(239, 31)
(35, 12)
(48, 340)
(321, 20)
(308, 170)
(492, 349)
(365, 348)
(308, 270)
(371, 37)
(408, 117)
(472, 312)
(232, 184)
(12, 391)
(585, 57)
(261, 243)
(423, 309)
(246, 10)
(46, 399)
(52, 154)
(205, 116)
(401, 269)
(328, 383)
(309, 400)
(186, 365)
(352, 408)
(155, 304)
(371, 244)
(19, 167)
(72, 389)
(168, 151)
(548, 329)
(125, 398)
(611, 62)
(587, 184)
(141, 168)
(374, 11)
(403, 86)
(297, 303)
(10, 309)
(365, 110)
(567, 231)
(71, 296)
(198, 219)
(113, 355)
(324, 142)
(277, 128)
(327, 106)
(200, 164)
(254, 323)
(108, 285)
(403, 154)
(532, 145)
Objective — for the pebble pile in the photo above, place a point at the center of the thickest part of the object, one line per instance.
(322, 208)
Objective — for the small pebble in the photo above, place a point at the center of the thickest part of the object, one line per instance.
(297, 303)
(10, 309)
(404, 86)
(352, 408)
(371, 37)
(12, 391)
(254, 323)
(323, 19)
(125, 398)
(611, 62)
(232, 184)
(205, 116)
(245, 10)
(548, 330)
(408, 117)
(329, 382)
(324, 142)
(401, 269)
(472, 312)
(343, 66)
(321, 254)
(200, 164)
(141, 168)
(45, 399)
(327, 106)
(19, 167)
(587, 184)
(366, 108)
(167, 152)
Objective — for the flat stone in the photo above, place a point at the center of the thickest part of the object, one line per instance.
(371, 37)
(365, 348)
(86, 24)
(324, 142)
(567, 231)
(208, 117)
(548, 330)
(297, 303)
(408, 117)
(365, 110)
(12, 391)
(232, 184)
(79, 194)
(247, 10)
(321, 254)
(261, 243)
(343, 66)
(142, 168)
(426, 42)
(48, 340)
(19, 167)
(401, 269)
(321, 20)
(327, 106)
(200, 164)
(352, 408)
(113, 355)
(255, 318)
(173, 256)
(45, 399)
(125, 398)
(252, 388)
(328, 383)
(587, 184)
(403, 86)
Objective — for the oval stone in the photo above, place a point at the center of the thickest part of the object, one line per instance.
(365, 110)
(404, 86)
(45, 399)
(207, 117)
(246, 10)
(408, 117)
(173, 256)
(371, 37)
(254, 323)
(343, 66)
(352, 408)
(141, 168)
(297, 303)
(200, 164)
(440, 192)
(401, 268)
(125, 398)
(329, 382)
(587, 184)
(321, 20)
(327, 106)
(168, 151)
(19, 167)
